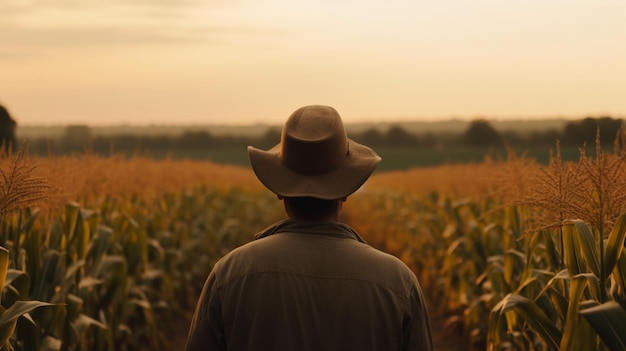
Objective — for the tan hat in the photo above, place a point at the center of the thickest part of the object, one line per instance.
(314, 158)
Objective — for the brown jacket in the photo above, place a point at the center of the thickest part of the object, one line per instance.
(303, 286)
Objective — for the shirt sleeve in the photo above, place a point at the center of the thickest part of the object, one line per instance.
(207, 328)
(417, 327)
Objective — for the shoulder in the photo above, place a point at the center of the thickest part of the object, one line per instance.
(243, 257)
(390, 264)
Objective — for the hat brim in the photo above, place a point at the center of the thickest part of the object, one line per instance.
(336, 184)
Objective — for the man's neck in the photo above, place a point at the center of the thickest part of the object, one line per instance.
(329, 218)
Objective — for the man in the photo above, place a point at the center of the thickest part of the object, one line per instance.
(310, 282)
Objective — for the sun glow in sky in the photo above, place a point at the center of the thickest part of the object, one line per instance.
(104, 62)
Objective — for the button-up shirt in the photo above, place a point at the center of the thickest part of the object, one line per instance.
(310, 286)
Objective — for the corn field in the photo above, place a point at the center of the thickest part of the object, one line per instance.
(111, 253)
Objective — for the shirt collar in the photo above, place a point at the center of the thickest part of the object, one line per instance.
(318, 228)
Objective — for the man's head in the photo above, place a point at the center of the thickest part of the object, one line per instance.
(314, 158)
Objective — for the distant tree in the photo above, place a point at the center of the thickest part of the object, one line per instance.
(398, 136)
(432, 140)
(232, 141)
(548, 137)
(371, 137)
(76, 137)
(270, 138)
(195, 140)
(125, 143)
(41, 146)
(481, 133)
(7, 129)
(162, 142)
(102, 145)
(584, 131)
(512, 137)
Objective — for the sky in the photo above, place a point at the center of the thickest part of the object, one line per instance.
(172, 62)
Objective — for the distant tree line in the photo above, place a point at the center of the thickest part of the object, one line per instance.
(479, 134)
(7, 130)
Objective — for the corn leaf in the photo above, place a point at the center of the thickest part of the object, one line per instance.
(11, 275)
(4, 265)
(514, 221)
(512, 260)
(100, 244)
(31, 218)
(573, 259)
(28, 334)
(536, 277)
(609, 321)
(562, 275)
(619, 273)
(7, 329)
(584, 239)
(552, 254)
(82, 233)
(8, 319)
(495, 274)
(577, 335)
(83, 322)
(74, 306)
(71, 218)
(19, 308)
(615, 245)
(51, 343)
(18, 282)
(533, 315)
(43, 286)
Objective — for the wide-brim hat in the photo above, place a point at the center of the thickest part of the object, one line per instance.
(315, 157)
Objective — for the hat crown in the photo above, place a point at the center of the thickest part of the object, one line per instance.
(314, 158)
(314, 141)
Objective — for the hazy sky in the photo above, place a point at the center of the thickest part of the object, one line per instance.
(243, 61)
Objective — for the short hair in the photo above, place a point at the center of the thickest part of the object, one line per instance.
(310, 207)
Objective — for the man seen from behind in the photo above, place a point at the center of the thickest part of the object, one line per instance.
(310, 282)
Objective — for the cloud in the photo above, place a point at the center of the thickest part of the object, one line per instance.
(165, 3)
(27, 28)
(98, 36)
